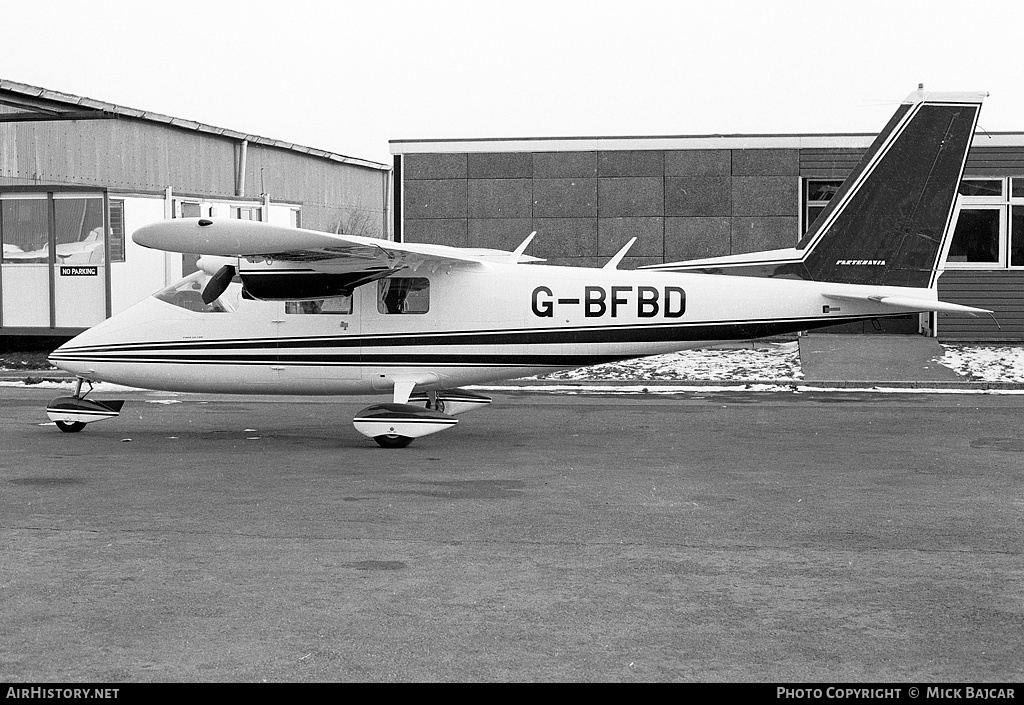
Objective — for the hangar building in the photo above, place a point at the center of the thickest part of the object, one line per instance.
(78, 176)
(703, 196)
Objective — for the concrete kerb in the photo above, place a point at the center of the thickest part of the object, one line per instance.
(743, 383)
(31, 377)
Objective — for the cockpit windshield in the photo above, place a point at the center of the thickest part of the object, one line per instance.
(187, 293)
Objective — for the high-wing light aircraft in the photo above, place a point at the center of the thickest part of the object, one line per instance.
(277, 310)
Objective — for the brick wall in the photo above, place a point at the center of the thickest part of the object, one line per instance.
(585, 205)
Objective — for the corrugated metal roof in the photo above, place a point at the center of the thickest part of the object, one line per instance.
(120, 110)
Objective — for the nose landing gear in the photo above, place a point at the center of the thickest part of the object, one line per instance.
(71, 414)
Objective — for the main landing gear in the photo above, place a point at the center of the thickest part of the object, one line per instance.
(71, 414)
(396, 425)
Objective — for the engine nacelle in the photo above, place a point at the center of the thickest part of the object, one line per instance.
(293, 284)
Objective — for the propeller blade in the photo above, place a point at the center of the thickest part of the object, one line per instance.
(218, 283)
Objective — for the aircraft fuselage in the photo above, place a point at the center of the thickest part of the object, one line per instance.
(455, 326)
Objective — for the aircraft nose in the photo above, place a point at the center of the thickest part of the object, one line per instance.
(66, 356)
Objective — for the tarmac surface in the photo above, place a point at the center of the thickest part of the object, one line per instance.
(874, 359)
(700, 536)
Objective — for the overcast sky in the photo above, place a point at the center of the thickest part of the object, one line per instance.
(349, 76)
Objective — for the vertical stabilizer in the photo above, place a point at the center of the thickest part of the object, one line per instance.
(889, 222)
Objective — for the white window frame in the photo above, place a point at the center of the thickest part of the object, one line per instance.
(1001, 203)
(1012, 201)
(970, 203)
(806, 204)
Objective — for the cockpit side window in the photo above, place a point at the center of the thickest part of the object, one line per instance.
(187, 293)
(403, 295)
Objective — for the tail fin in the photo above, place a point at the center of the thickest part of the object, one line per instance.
(889, 223)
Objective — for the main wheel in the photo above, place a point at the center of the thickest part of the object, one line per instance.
(70, 426)
(392, 441)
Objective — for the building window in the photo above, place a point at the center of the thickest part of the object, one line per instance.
(976, 239)
(984, 188)
(78, 228)
(984, 238)
(1017, 235)
(989, 227)
(25, 229)
(816, 194)
(403, 295)
(247, 213)
(116, 230)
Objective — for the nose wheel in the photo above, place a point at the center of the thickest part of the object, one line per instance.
(392, 441)
(71, 414)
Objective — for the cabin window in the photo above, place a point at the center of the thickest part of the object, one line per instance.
(403, 295)
(335, 305)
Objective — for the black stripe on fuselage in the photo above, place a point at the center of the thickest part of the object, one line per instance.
(643, 333)
(283, 351)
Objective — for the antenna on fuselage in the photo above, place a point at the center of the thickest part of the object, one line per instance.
(517, 253)
(613, 263)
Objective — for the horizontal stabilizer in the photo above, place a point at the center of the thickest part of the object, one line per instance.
(910, 303)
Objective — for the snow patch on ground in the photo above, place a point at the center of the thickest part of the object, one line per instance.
(988, 363)
(775, 361)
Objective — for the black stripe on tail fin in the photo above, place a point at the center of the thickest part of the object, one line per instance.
(890, 222)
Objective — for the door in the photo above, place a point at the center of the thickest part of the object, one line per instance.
(314, 338)
(25, 270)
(79, 262)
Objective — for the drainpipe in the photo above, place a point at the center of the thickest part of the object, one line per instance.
(169, 267)
(243, 148)
(387, 205)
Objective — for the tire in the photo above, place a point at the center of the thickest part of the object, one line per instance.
(70, 426)
(392, 441)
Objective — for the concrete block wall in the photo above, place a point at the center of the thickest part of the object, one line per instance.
(680, 204)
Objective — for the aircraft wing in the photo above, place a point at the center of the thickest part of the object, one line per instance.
(327, 252)
(910, 303)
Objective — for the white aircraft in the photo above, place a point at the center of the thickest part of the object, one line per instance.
(278, 310)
